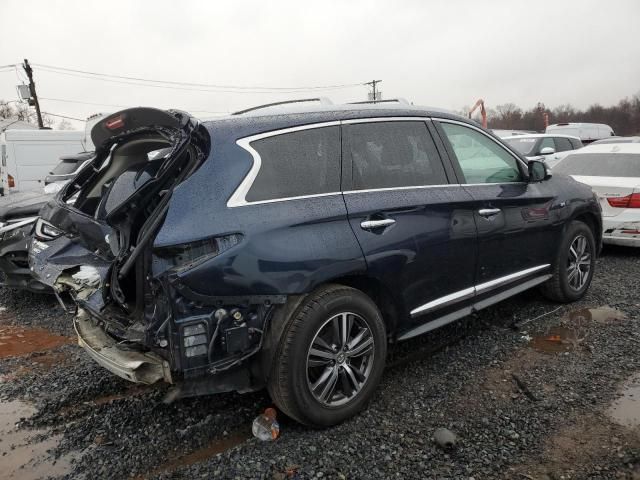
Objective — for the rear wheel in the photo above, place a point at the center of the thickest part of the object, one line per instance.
(330, 357)
(574, 265)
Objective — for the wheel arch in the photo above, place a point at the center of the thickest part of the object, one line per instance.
(594, 224)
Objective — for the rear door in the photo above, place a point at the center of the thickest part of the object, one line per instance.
(517, 234)
(413, 221)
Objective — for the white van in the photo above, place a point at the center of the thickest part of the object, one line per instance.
(587, 132)
(29, 155)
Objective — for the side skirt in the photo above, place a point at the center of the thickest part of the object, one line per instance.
(487, 302)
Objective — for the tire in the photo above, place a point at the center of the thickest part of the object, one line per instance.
(297, 368)
(564, 286)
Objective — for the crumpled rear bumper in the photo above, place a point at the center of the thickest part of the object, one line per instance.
(131, 365)
(623, 229)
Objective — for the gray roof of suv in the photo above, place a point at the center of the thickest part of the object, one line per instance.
(289, 115)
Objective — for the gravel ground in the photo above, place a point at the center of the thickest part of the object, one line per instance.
(522, 407)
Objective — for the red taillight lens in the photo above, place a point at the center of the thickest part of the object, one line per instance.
(10, 181)
(114, 123)
(630, 201)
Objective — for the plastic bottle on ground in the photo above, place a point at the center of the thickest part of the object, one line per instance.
(265, 426)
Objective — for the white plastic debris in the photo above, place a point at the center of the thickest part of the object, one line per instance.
(87, 275)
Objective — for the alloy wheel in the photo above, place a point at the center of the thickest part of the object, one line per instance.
(579, 262)
(340, 359)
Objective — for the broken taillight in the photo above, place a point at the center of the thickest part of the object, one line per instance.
(630, 201)
(10, 181)
(188, 255)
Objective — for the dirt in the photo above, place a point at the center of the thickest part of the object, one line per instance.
(16, 341)
(215, 447)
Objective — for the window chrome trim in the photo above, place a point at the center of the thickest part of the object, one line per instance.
(504, 147)
(239, 197)
(471, 291)
(388, 189)
(385, 119)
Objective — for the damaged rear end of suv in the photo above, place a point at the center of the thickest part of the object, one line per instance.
(94, 240)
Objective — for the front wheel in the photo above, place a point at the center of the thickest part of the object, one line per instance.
(330, 357)
(574, 265)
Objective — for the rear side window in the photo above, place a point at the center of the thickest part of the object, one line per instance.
(601, 164)
(393, 154)
(481, 159)
(547, 142)
(562, 144)
(297, 164)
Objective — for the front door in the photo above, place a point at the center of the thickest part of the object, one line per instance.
(518, 231)
(414, 224)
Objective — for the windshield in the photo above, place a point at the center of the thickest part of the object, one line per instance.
(601, 165)
(66, 167)
(522, 145)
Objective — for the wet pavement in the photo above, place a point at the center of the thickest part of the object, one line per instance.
(626, 409)
(26, 454)
(564, 403)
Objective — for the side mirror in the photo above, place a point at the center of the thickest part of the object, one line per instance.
(538, 171)
(547, 151)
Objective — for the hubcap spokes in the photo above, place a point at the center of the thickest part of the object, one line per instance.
(340, 359)
(579, 262)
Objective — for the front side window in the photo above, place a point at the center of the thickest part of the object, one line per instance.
(481, 159)
(393, 154)
(296, 164)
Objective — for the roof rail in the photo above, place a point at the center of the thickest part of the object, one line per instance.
(322, 100)
(391, 100)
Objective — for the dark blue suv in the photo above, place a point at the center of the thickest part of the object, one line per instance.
(285, 246)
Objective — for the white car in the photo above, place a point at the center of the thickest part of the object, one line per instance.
(540, 146)
(587, 132)
(613, 172)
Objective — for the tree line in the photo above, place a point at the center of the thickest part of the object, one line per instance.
(21, 111)
(624, 117)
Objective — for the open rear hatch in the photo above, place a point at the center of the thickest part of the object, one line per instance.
(91, 238)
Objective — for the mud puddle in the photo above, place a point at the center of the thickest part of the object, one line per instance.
(16, 341)
(626, 409)
(558, 339)
(604, 314)
(25, 454)
(215, 447)
(569, 337)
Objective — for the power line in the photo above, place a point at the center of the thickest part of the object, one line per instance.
(64, 116)
(84, 103)
(64, 100)
(172, 87)
(189, 84)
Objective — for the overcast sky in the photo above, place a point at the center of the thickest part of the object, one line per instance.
(438, 53)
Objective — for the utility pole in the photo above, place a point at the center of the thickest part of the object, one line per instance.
(375, 93)
(32, 87)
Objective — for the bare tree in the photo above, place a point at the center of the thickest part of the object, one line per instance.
(64, 125)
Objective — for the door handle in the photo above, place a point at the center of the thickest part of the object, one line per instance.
(488, 212)
(373, 224)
